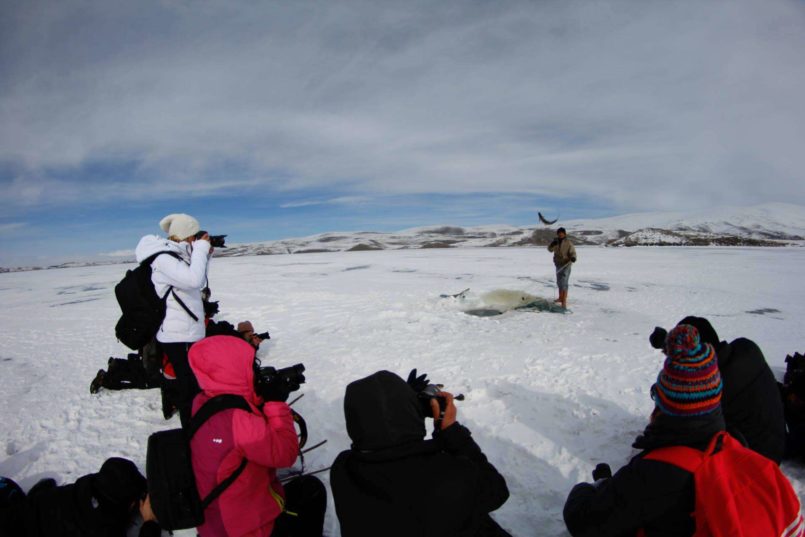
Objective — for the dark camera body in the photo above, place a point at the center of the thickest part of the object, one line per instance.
(794, 368)
(602, 471)
(216, 241)
(264, 335)
(291, 376)
(657, 337)
(431, 391)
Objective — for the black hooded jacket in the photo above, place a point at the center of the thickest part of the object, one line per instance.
(75, 510)
(751, 400)
(653, 495)
(394, 483)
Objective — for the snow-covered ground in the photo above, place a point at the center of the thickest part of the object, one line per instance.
(548, 395)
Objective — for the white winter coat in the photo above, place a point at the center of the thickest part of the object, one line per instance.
(187, 276)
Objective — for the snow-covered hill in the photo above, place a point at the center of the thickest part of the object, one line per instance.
(764, 225)
(776, 224)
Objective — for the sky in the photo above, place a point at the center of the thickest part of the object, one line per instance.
(271, 119)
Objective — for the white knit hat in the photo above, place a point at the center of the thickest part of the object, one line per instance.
(179, 225)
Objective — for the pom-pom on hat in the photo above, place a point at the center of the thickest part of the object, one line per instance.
(689, 383)
(179, 225)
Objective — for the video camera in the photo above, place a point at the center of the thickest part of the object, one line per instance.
(794, 368)
(657, 337)
(264, 335)
(433, 391)
(216, 241)
(290, 377)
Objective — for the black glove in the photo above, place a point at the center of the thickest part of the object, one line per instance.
(657, 337)
(417, 383)
(554, 242)
(602, 471)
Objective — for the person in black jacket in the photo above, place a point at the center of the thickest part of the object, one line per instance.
(653, 495)
(394, 483)
(751, 401)
(96, 505)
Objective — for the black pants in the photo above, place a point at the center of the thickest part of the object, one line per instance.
(128, 374)
(186, 386)
(305, 497)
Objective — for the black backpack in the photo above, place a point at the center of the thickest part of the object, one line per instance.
(168, 467)
(143, 310)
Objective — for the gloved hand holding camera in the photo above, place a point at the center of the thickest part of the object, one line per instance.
(417, 383)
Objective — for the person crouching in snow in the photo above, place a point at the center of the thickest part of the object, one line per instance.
(97, 505)
(395, 483)
(751, 401)
(255, 504)
(564, 255)
(649, 494)
(692, 477)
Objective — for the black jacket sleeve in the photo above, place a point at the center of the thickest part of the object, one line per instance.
(642, 494)
(492, 490)
(150, 529)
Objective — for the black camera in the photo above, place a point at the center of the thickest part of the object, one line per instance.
(602, 471)
(267, 378)
(264, 335)
(657, 337)
(433, 391)
(794, 368)
(216, 241)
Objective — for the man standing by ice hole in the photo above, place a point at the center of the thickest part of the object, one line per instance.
(564, 255)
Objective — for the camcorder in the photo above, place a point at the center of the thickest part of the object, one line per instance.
(291, 377)
(433, 391)
(264, 335)
(794, 368)
(657, 337)
(602, 471)
(216, 241)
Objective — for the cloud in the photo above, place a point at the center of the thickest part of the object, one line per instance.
(119, 253)
(341, 200)
(642, 105)
(11, 227)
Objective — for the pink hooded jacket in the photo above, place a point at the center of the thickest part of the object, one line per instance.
(266, 439)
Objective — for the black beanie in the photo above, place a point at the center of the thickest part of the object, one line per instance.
(706, 331)
(119, 483)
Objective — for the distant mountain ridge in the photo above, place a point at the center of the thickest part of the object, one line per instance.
(771, 224)
(775, 224)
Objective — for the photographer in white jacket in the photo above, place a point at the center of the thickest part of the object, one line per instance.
(179, 275)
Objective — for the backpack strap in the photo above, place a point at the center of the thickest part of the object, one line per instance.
(208, 410)
(688, 458)
(212, 407)
(684, 457)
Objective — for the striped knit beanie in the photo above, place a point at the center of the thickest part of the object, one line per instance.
(689, 383)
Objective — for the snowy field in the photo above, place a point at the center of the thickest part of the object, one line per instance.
(548, 395)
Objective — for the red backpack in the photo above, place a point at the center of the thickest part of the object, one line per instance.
(739, 493)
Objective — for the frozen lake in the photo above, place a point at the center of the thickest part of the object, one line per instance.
(547, 395)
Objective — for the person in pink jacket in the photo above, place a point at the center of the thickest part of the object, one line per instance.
(265, 437)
